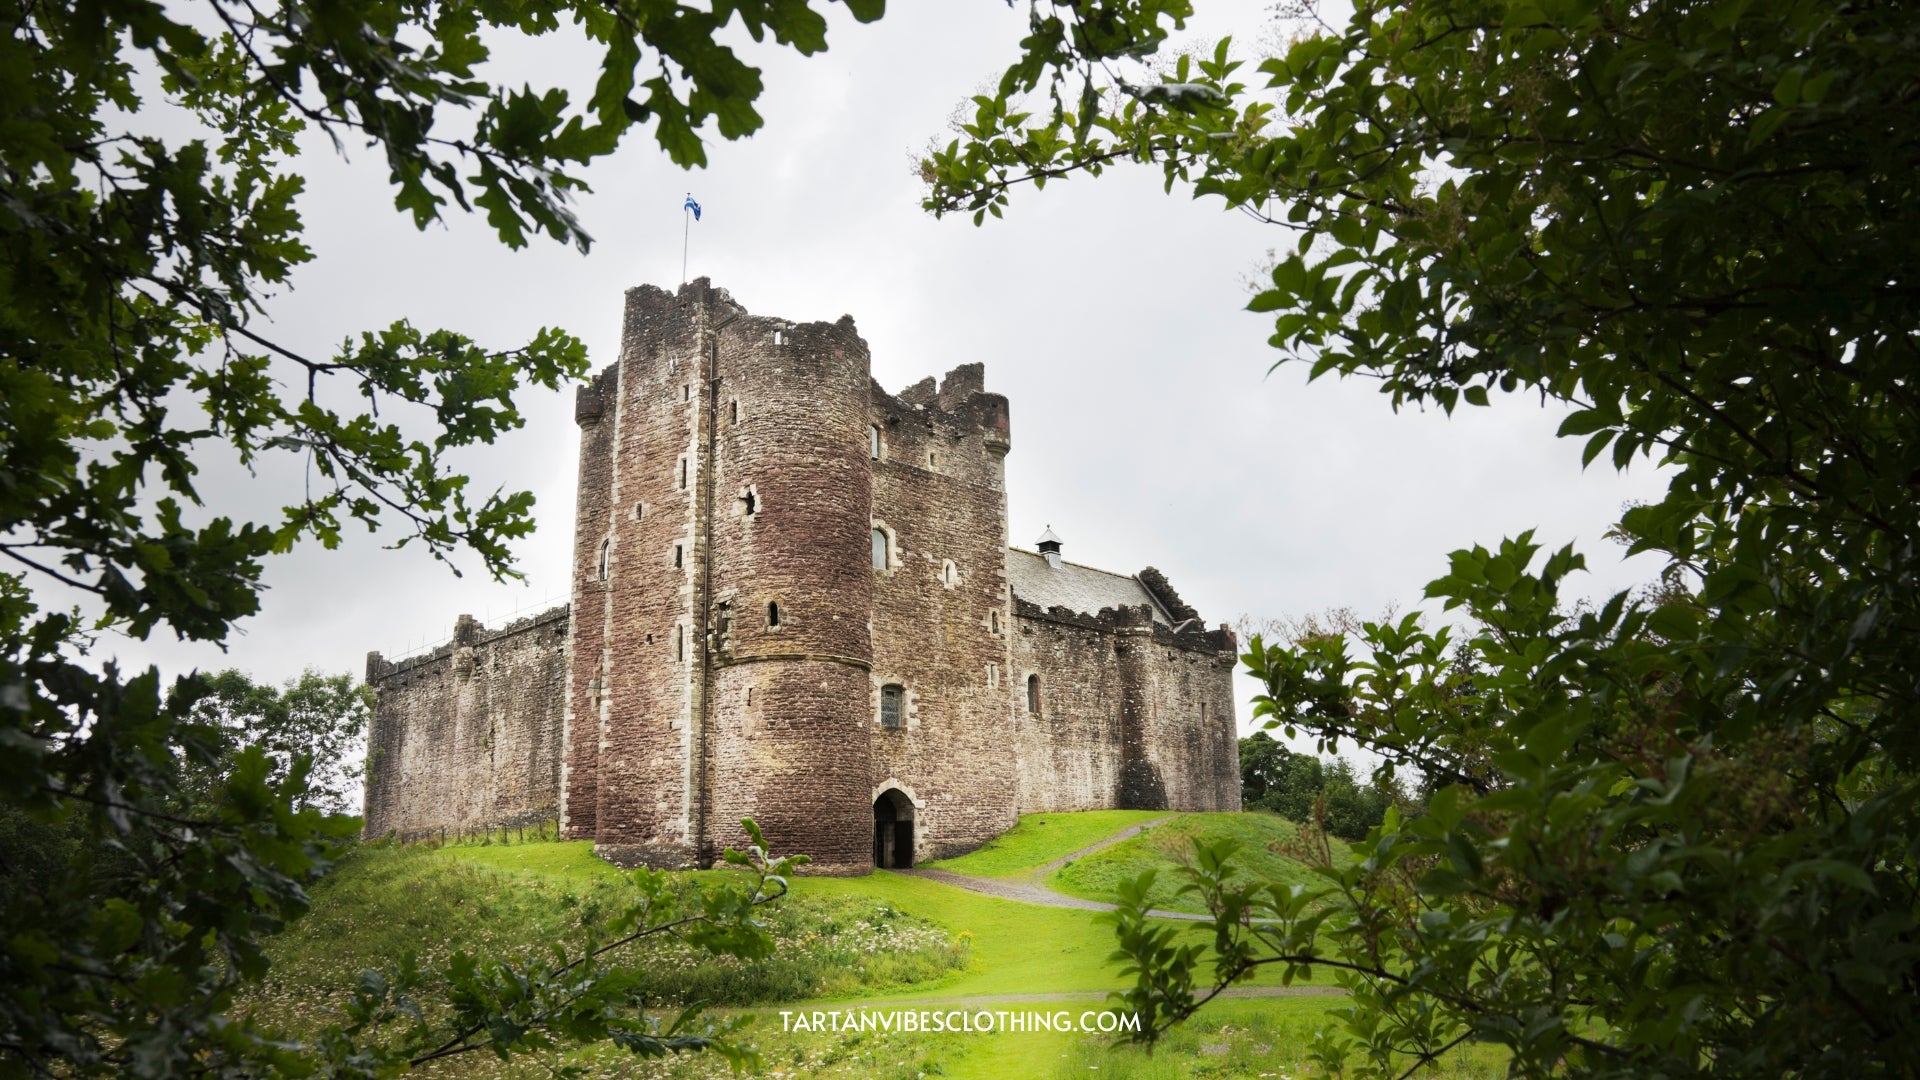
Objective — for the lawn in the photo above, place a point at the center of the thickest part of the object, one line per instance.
(1267, 842)
(514, 901)
(887, 941)
(1039, 839)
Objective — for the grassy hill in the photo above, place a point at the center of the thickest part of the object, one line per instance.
(889, 941)
(384, 901)
(1039, 839)
(1268, 843)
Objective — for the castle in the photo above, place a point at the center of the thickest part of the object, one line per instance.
(793, 599)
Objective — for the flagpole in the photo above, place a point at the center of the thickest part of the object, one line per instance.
(685, 232)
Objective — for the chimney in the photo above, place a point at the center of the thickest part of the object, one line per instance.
(1049, 545)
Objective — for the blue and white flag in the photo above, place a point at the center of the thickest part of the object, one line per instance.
(693, 206)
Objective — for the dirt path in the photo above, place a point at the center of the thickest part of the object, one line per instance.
(1127, 833)
(1029, 890)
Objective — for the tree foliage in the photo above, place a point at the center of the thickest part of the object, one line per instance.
(1667, 838)
(319, 718)
(1324, 793)
(136, 258)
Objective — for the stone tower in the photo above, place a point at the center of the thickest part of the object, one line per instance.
(722, 650)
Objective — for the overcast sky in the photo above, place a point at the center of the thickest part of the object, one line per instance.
(1146, 428)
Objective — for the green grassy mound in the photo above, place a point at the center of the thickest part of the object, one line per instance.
(1039, 839)
(382, 902)
(889, 940)
(1268, 846)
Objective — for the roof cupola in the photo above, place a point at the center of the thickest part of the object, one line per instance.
(1049, 545)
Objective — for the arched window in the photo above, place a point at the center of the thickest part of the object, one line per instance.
(892, 706)
(1033, 695)
(606, 558)
(773, 614)
(880, 548)
(949, 573)
(993, 621)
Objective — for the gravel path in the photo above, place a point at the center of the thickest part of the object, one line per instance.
(1124, 834)
(1030, 891)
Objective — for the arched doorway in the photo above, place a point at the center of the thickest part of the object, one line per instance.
(892, 830)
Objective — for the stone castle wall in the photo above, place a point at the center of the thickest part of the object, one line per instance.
(469, 735)
(941, 610)
(791, 496)
(1130, 714)
(733, 477)
(632, 781)
(1069, 745)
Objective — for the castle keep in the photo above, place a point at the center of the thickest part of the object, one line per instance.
(794, 601)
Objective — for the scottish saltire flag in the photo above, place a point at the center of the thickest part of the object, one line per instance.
(693, 206)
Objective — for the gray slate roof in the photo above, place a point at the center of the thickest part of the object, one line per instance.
(1075, 587)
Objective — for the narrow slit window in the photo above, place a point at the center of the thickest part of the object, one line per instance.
(679, 643)
(734, 408)
(686, 391)
(606, 558)
(892, 700)
(993, 676)
(773, 614)
(679, 557)
(1033, 695)
(682, 479)
(993, 621)
(873, 442)
(725, 619)
(880, 551)
(752, 502)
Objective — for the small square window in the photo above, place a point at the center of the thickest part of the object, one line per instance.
(892, 699)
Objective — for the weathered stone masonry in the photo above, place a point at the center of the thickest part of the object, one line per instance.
(794, 600)
(469, 734)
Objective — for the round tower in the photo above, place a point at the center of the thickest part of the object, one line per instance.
(789, 595)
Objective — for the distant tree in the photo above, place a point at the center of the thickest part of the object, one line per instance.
(1263, 766)
(1311, 791)
(316, 721)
